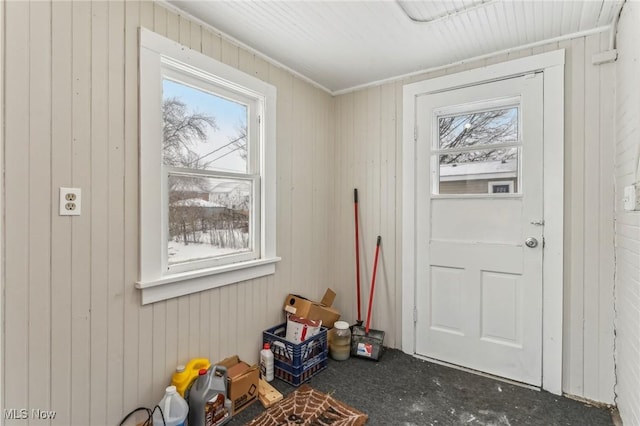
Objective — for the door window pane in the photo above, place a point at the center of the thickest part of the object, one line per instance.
(202, 130)
(208, 217)
(487, 171)
(478, 128)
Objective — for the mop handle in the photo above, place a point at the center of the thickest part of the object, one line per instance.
(373, 284)
(355, 208)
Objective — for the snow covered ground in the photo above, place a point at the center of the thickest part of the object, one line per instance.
(179, 252)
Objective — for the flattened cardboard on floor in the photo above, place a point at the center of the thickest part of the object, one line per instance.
(306, 308)
(242, 382)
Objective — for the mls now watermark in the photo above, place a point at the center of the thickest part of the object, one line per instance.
(24, 414)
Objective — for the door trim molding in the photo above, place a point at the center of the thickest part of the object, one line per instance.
(552, 65)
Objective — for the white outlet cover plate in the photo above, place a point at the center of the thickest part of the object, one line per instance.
(76, 208)
(631, 198)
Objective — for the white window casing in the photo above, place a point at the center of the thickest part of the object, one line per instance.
(161, 58)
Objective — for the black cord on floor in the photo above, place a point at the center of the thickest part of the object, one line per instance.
(149, 420)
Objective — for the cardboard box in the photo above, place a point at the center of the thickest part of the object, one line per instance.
(306, 308)
(242, 382)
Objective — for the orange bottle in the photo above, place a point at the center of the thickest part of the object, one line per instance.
(185, 375)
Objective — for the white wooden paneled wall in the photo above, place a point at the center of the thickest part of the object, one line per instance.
(628, 223)
(368, 156)
(76, 338)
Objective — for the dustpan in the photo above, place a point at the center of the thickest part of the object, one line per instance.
(366, 342)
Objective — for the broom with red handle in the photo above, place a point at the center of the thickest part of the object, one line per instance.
(355, 208)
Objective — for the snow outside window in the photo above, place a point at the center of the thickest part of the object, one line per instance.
(475, 147)
(207, 172)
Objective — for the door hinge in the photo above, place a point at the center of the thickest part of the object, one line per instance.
(415, 315)
(415, 134)
(543, 242)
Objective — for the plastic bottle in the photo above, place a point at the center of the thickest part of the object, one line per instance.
(208, 403)
(174, 408)
(340, 341)
(266, 362)
(185, 375)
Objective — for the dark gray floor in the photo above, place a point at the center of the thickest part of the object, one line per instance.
(403, 390)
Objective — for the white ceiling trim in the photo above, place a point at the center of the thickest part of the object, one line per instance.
(475, 58)
(238, 43)
(235, 41)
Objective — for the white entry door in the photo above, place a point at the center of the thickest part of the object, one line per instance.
(479, 227)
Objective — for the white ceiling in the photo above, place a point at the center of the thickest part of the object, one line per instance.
(340, 45)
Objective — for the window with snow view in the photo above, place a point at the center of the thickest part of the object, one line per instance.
(207, 154)
(474, 149)
(207, 171)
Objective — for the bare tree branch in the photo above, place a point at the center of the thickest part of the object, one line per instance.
(479, 130)
(180, 131)
(240, 140)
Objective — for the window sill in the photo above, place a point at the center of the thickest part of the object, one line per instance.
(177, 285)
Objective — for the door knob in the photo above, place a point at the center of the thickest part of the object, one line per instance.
(531, 242)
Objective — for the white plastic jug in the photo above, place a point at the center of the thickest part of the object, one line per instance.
(266, 362)
(174, 408)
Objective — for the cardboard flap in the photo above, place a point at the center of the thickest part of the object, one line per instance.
(238, 370)
(329, 297)
(229, 362)
(306, 308)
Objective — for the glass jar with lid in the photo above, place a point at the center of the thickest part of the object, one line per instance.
(340, 341)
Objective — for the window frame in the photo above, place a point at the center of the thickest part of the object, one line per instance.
(156, 281)
(470, 108)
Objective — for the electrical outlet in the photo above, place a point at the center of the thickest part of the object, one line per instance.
(70, 202)
(631, 198)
